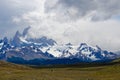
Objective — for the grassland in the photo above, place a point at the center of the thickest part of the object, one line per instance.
(95, 71)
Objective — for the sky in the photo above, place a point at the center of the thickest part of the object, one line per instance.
(95, 22)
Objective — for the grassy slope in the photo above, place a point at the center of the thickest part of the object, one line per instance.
(10, 71)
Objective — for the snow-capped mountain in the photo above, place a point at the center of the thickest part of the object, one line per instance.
(4, 47)
(83, 52)
(22, 40)
(43, 50)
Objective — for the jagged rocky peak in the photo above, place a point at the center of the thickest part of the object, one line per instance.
(98, 47)
(85, 47)
(22, 39)
(16, 39)
(17, 34)
(44, 41)
(68, 44)
(47, 40)
(25, 31)
(5, 40)
(82, 46)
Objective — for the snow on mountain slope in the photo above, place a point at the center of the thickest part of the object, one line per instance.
(1, 44)
(27, 53)
(95, 53)
(45, 48)
(4, 46)
(80, 52)
(62, 51)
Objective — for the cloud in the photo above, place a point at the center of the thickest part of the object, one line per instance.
(8, 10)
(94, 10)
(95, 22)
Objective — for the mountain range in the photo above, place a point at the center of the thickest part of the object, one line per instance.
(40, 51)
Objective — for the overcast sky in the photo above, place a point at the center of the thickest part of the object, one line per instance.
(96, 22)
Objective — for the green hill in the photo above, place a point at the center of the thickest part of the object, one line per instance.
(95, 71)
(7, 65)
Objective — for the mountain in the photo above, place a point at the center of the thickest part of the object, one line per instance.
(22, 40)
(43, 50)
(16, 39)
(25, 31)
(4, 47)
(82, 52)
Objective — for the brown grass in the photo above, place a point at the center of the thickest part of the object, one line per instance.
(10, 71)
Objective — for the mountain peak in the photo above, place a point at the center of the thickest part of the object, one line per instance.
(5, 39)
(98, 47)
(16, 39)
(69, 44)
(46, 41)
(25, 31)
(82, 45)
(17, 34)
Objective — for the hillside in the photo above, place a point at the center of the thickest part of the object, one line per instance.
(94, 71)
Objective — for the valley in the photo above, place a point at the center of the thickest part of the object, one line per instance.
(111, 71)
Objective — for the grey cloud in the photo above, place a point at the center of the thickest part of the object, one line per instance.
(95, 10)
(9, 9)
(64, 20)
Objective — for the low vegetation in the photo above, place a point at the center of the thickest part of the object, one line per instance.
(95, 71)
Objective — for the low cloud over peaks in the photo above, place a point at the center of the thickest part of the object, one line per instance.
(96, 22)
